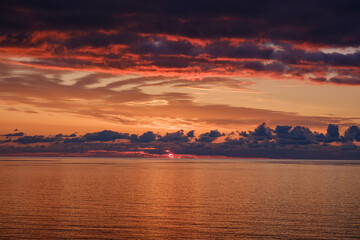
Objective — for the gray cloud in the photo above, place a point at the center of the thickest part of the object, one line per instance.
(263, 141)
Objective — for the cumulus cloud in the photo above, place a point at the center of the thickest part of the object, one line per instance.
(280, 142)
(105, 136)
(210, 136)
(332, 133)
(191, 134)
(304, 136)
(178, 136)
(352, 133)
(298, 136)
(282, 131)
(262, 132)
(147, 137)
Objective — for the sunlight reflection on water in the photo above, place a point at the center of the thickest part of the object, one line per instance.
(108, 198)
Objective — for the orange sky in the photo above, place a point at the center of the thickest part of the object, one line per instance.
(125, 73)
(50, 101)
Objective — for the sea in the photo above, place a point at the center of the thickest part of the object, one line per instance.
(130, 198)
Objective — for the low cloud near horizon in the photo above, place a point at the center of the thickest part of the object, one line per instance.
(263, 141)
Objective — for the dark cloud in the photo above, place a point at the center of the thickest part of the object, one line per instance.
(345, 80)
(348, 146)
(147, 137)
(313, 21)
(262, 132)
(170, 63)
(162, 46)
(333, 131)
(105, 136)
(243, 50)
(273, 67)
(348, 80)
(136, 36)
(178, 136)
(352, 134)
(37, 139)
(18, 134)
(191, 134)
(210, 136)
(296, 136)
(303, 135)
(282, 131)
(291, 55)
(263, 141)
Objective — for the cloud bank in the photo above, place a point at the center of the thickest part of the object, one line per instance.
(316, 41)
(281, 142)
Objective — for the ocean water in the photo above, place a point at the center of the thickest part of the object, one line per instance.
(108, 198)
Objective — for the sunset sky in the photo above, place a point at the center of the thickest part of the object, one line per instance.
(161, 66)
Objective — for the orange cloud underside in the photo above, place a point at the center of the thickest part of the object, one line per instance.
(159, 82)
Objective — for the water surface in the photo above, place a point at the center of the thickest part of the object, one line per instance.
(108, 198)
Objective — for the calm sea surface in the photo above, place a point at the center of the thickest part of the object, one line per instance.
(108, 198)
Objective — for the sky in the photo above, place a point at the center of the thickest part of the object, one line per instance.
(136, 66)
